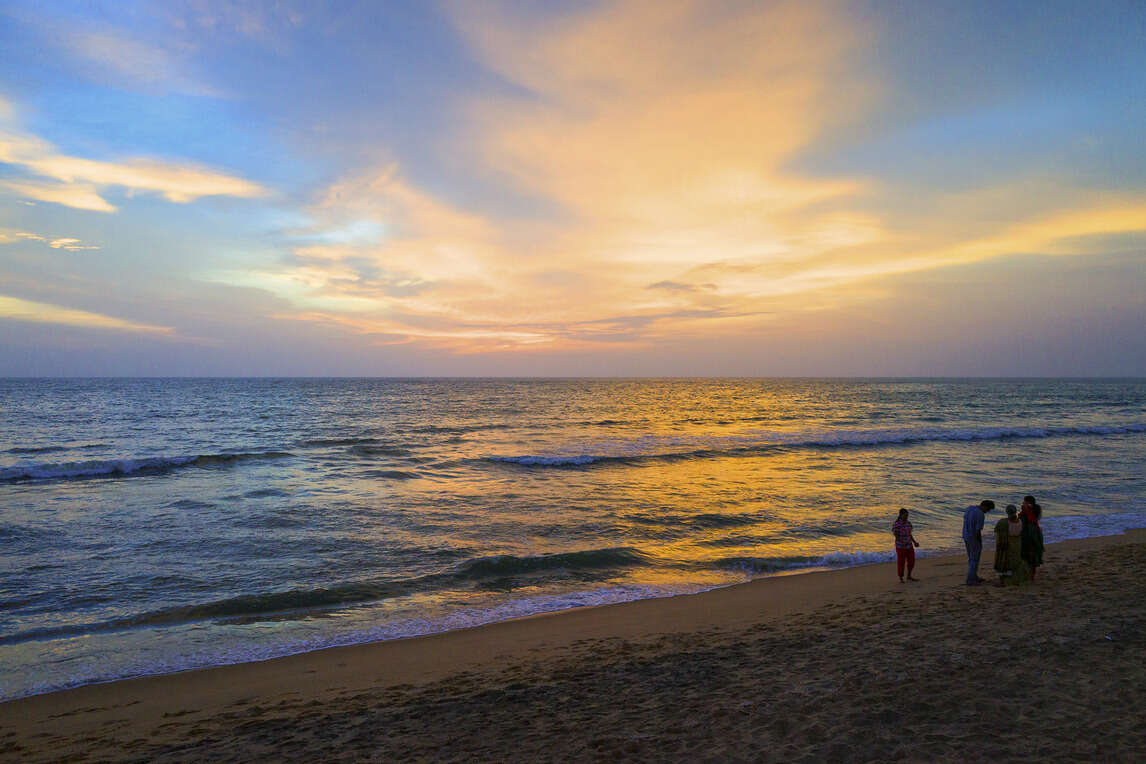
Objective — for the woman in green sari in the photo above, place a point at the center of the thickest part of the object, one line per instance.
(1009, 562)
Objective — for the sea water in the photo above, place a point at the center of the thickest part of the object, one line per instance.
(157, 525)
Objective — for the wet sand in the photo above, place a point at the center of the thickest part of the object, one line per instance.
(846, 665)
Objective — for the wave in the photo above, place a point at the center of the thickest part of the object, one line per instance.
(14, 532)
(268, 606)
(757, 565)
(704, 521)
(36, 449)
(461, 429)
(713, 520)
(554, 461)
(1066, 527)
(244, 605)
(677, 448)
(51, 449)
(319, 442)
(391, 474)
(224, 655)
(266, 493)
(594, 559)
(363, 449)
(190, 505)
(122, 467)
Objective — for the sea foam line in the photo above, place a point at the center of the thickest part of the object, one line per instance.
(398, 629)
(128, 466)
(305, 602)
(651, 447)
(1066, 527)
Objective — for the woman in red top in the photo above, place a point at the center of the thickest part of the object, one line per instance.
(905, 544)
(1027, 512)
(1032, 542)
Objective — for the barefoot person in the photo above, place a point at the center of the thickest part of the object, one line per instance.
(973, 537)
(905, 544)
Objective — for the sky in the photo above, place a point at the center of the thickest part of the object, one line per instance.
(721, 188)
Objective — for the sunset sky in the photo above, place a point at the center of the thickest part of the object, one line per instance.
(659, 188)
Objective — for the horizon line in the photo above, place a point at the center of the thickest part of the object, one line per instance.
(569, 377)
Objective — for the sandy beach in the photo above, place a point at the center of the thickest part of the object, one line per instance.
(845, 665)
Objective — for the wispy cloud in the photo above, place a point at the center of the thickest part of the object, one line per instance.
(673, 286)
(81, 196)
(77, 182)
(267, 22)
(134, 61)
(70, 244)
(140, 58)
(16, 309)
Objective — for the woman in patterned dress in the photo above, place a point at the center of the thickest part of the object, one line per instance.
(905, 544)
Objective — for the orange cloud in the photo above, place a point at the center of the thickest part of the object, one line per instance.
(662, 143)
(663, 136)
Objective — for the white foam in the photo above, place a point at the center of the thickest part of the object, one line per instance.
(851, 559)
(774, 566)
(656, 446)
(1062, 528)
(127, 466)
(46, 471)
(189, 659)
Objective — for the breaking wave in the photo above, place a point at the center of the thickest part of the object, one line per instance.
(679, 448)
(764, 565)
(152, 465)
(303, 601)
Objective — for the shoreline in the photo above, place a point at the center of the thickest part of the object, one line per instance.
(811, 568)
(104, 720)
(800, 571)
(1110, 530)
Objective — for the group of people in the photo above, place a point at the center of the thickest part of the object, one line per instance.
(1018, 543)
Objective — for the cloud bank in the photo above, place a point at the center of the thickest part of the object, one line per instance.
(665, 139)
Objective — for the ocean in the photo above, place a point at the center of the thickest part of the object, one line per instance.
(158, 525)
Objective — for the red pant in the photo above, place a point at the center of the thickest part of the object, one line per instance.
(902, 556)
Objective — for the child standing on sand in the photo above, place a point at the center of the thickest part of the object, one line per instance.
(905, 544)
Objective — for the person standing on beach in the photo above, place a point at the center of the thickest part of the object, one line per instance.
(905, 544)
(1027, 509)
(1009, 562)
(1032, 534)
(973, 537)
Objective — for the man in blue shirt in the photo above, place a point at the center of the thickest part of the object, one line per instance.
(973, 537)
